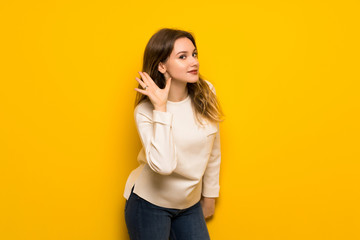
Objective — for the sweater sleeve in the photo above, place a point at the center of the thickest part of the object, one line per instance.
(210, 183)
(156, 135)
(211, 186)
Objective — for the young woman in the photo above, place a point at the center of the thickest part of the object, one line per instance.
(177, 116)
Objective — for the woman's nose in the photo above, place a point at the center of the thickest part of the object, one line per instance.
(195, 61)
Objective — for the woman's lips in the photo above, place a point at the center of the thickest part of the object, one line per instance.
(193, 72)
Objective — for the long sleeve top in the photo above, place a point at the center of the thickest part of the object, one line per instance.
(179, 159)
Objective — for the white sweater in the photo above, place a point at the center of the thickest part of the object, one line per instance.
(179, 160)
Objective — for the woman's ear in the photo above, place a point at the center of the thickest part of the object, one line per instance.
(162, 68)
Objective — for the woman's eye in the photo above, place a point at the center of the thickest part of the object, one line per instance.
(185, 55)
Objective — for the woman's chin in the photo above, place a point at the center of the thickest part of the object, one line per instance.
(195, 79)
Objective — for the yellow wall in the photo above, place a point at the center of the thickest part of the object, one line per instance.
(286, 73)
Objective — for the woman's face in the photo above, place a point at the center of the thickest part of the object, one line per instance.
(181, 61)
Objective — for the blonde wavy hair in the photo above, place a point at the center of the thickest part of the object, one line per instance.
(205, 103)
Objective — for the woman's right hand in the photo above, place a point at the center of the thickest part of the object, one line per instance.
(157, 96)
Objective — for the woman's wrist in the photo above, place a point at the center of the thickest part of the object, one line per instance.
(161, 108)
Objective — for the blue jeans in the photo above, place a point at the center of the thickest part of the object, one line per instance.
(146, 221)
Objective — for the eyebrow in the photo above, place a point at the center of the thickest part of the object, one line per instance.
(195, 50)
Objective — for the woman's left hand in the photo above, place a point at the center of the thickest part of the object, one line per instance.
(208, 206)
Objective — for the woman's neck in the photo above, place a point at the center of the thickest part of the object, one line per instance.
(178, 91)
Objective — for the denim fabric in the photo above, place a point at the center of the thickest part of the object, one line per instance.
(146, 221)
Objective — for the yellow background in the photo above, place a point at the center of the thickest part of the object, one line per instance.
(286, 74)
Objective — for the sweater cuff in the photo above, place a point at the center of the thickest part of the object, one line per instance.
(163, 117)
(211, 192)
